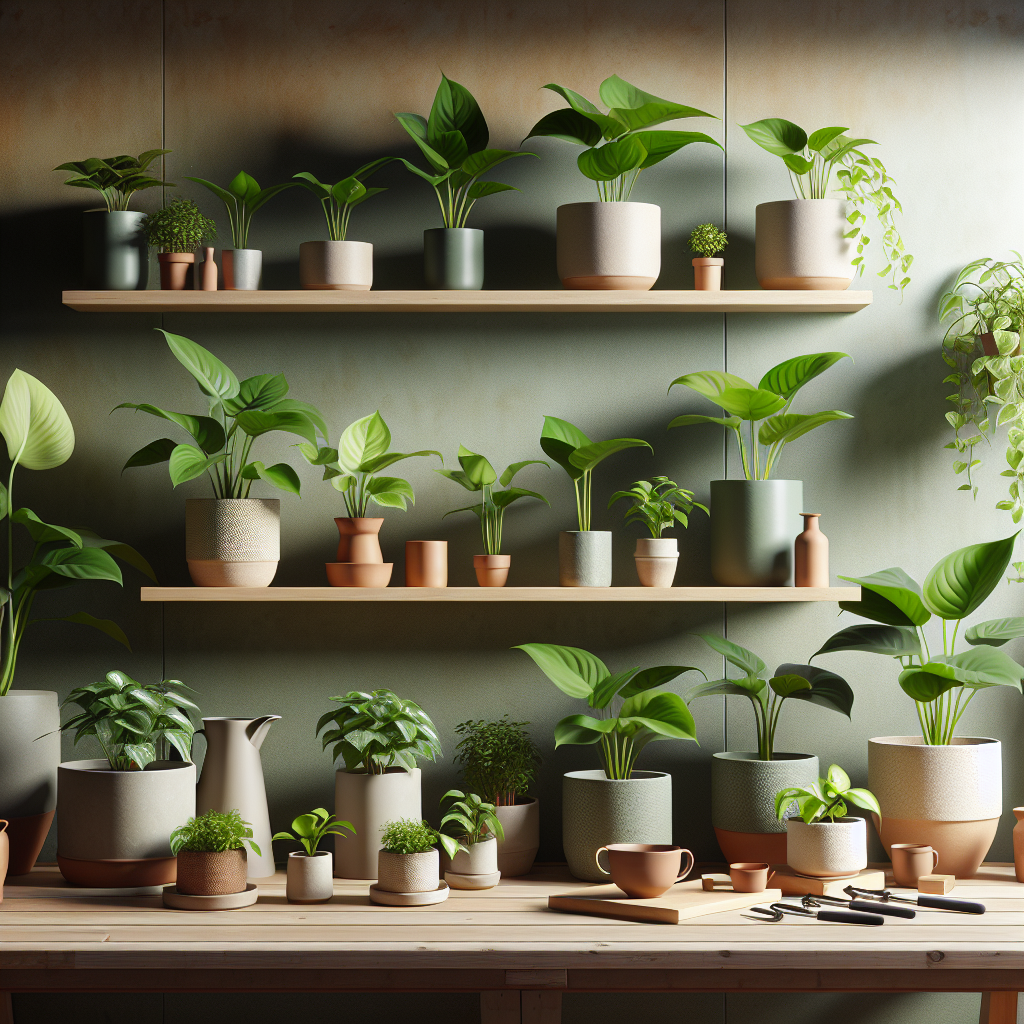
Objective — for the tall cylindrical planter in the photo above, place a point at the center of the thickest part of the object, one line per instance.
(341, 266)
(743, 789)
(656, 560)
(453, 259)
(426, 563)
(175, 268)
(115, 827)
(521, 824)
(597, 811)
(116, 256)
(947, 797)
(310, 879)
(754, 524)
(609, 245)
(232, 542)
(369, 802)
(800, 243)
(827, 849)
(585, 558)
(242, 269)
(29, 755)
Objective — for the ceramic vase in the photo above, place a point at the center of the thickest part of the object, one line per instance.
(205, 274)
(827, 849)
(339, 266)
(426, 563)
(475, 867)
(205, 873)
(656, 560)
(408, 872)
(585, 558)
(175, 270)
(310, 879)
(242, 268)
(521, 824)
(453, 259)
(707, 274)
(116, 256)
(360, 562)
(810, 554)
(609, 245)
(1018, 844)
(232, 542)
(491, 570)
(802, 244)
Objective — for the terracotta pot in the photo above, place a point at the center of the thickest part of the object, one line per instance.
(810, 554)
(242, 269)
(491, 570)
(585, 558)
(408, 872)
(644, 871)
(910, 861)
(115, 252)
(1018, 844)
(426, 563)
(521, 824)
(749, 876)
(609, 245)
(989, 346)
(310, 879)
(656, 560)
(707, 274)
(232, 542)
(801, 243)
(174, 270)
(358, 574)
(827, 849)
(5, 852)
(211, 874)
(340, 266)
(358, 540)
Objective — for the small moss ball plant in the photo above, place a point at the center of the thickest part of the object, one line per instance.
(707, 240)
(178, 227)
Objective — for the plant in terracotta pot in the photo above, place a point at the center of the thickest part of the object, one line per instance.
(478, 475)
(707, 241)
(211, 853)
(754, 521)
(938, 788)
(614, 243)
(309, 869)
(475, 825)
(659, 504)
(177, 231)
(408, 860)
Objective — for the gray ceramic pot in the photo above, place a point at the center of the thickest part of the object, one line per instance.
(521, 825)
(453, 259)
(609, 245)
(242, 269)
(753, 526)
(232, 542)
(597, 811)
(338, 265)
(116, 256)
(585, 558)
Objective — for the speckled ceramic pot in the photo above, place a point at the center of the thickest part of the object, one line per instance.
(408, 872)
(585, 558)
(232, 542)
(827, 849)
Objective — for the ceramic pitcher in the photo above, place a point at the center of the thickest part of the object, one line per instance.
(233, 778)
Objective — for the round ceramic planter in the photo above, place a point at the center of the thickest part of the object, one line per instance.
(369, 802)
(947, 797)
(754, 524)
(116, 254)
(115, 826)
(475, 867)
(175, 269)
(585, 558)
(232, 542)
(521, 824)
(597, 811)
(656, 560)
(242, 269)
(220, 873)
(827, 849)
(491, 570)
(453, 259)
(341, 266)
(800, 243)
(408, 872)
(707, 274)
(310, 879)
(609, 245)
(426, 563)
(29, 755)
(743, 789)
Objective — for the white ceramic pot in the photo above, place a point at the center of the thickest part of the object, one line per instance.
(242, 269)
(477, 858)
(232, 542)
(827, 849)
(609, 245)
(799, 244)
(521, 825)
(310, 879)
(656, 560)
(408, 872)
(585, 558)
(342, 266)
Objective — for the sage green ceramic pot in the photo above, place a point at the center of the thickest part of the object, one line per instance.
(115, 253)
(453, 259)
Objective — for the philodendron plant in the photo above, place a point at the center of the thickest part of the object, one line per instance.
(470, 819)
(825, 799)
(941, 685)
(619, 144)
(768, 403)
(340, 199)
(658, 503)
(309, 830)
(242, 198)
(116, 178)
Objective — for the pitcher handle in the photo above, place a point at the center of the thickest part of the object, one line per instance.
(935, 854)
(688, 868)
(597, 860)
(5, 823)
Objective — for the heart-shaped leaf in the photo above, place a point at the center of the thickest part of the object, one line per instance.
(187, 462)
(612, 160)
(455, 110)
(663, 713)
(776, 135)
(574, 671)
(711, 383)
(960, 582)
(213, 376)
(827, 689)
(362, 441)
(568, 125)
(894, 641)
(749, 403)
(34, 424)
(662, 144)
(582, 730)
(659, 675)
(477, 469)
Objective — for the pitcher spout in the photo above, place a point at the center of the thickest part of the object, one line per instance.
(258, 728)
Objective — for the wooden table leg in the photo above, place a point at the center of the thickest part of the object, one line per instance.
(544, 1008)
(504, 1007)
(7, 1013)
(998, 1008)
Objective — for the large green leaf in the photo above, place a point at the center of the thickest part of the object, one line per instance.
(776, 135)
(659, 675)
(502, 499)
(214, 377)
(663, 713)
(609, 687)
(310, 411)
(960, 582)
(585, 459)
(478, 470)
(662, 144)
(749, 687)
(610, 127)
(390, 458)
(612, 160)
(416, 126)
(117, 548)
(788, 685)
(514, 468)
(390, 491)
(43, 533)
(894, 641)
(82, 564)
(995, 632)
(559, 439)
(733, 422)
(455, 110)
(187, 462)
(711, 383)
(790, 376)
(582, 729)
(574, 671)
(451, 147)
(788, 426)
(261, 392)
(255, 423)
(818, 140)
(364, 440)
(152, 453)
(743, 659)
(281, 475)
(34, 424)
(827, 689)
(749, 403)
(480, 163)
(208, 433)
(638, 109)
(924, 686)
(901, 603)
(977, 668)
(568, 125)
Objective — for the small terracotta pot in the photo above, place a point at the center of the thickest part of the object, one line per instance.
(359, 574)
(707, 277)
(4, 856)
(211, 874)
(408, 872)
(174, 269)
(310, 879)
(642, 870)
(358, 540)
(910, 861)
(492, 570)
(749, 876)
(426, 563)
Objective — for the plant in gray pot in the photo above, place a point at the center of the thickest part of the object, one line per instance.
(454, 140)
(310, 871)
(211, 854)
(615, 803)
(177, 231)
(754, 521)
(584, 555)
(474, 824)
(116, 812)
(744, 783)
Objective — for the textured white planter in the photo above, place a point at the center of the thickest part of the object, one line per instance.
(827, 849)
(585, 558)
(242, 269)
(609, 245)
(656, 560)
(342, 266)
(521, 825)
(232, 542)
(799, 244)
(310, 879)
(946, 797)
(408, 872)
(477, 858)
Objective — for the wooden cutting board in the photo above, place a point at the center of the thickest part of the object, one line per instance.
(793, 884)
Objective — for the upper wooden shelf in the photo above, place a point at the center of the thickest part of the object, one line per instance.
(468, 302)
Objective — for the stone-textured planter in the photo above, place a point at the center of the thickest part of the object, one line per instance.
(175, 268)
(947, 797)
(585, 558)
(827, 849)
(491, 570)
(609, 245)
(340, 266)
(800, 243)
(707, 274)
(656, 560)
(475, 867)
(408, 872)
(521, 824)
(116, 256)
(453, 259)
(310, 879)
(242, 269)
(201, 873)
(232, 542)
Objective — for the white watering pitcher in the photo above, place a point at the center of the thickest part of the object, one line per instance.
(233, 779)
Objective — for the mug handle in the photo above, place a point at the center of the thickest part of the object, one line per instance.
(687, 869)
(597, 860)
(935, 854)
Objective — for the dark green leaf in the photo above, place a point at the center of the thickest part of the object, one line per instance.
(894, 641)
(896, 599)
(960, 582)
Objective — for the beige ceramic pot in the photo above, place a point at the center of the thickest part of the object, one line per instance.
(408, 872)
(609, 245)
(232, 542)
(174, 270)
(656, 560)
(310, 879)
(202, 873)
(521, 824)
(242, 269)
(801, 244)
(341, 266)
(707, 274)
(426, 563)
(475, 867)
(492, 570)
(827, 849)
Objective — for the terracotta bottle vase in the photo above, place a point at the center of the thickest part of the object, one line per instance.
(206, 272)
(360, 562)
(1018, 844)
(811, 554)
(4, 851)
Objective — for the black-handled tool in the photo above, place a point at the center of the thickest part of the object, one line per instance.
(776, 911)
(866, 906)
(932, 902)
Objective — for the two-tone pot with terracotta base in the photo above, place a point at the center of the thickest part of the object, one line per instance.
(360, 561)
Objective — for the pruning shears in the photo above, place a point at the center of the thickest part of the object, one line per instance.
(932, 902)
(866, 906)
(776, 911)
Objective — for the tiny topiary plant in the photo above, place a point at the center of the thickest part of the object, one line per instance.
(407, 835)
(707, 240)
(499, 760)
(213, 832)
(179, 227)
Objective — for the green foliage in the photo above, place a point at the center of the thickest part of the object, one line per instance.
(658, 503)
(498, 758)
(179, 227)
(770, 401)
(407, 835)
(707, 240)
(862, 180)
(340, 199)
(309, 829)
(213, 832)
(116, 178)
(242, 198)
(825, 799)
(469, 818)
(619, 144)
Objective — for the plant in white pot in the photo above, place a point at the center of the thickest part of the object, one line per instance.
(614, 243)
(755, 520)
(707, 241)
(938, 788)
(408, 864)
(177, 231)
(475, 825)
(310, 871)
(231, 540)
(211, 854)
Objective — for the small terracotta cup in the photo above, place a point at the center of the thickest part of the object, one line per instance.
(642, 870)
(426, 563)
(910, 861)
(749, 876)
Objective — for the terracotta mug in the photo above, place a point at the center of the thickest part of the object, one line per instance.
(910, 861)
(642, 870)
(749, 876)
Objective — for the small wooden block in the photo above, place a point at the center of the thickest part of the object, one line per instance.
(936, 885)
(709, 883)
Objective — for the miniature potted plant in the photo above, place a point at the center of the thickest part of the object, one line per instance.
(177, 231)
(808, 242)
(744, 783)
(938, 788)
(823, 841)
(211, 853)
(707, 241)
(584, 556)
(615, 803)
(379, 737)
(454, 139)
(309, 869)
(659, 504)
(117, 811)
(614, 243)
(478, 475)
(231, 540)
(115, 250)
(408, 861)
(475, 825)
(755, 520)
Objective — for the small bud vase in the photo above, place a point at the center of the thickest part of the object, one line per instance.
(811, 554)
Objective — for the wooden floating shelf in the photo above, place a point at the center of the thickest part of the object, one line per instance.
(315, 301)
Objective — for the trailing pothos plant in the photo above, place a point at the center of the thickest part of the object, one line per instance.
(239, 413)
(116, 178)
(826, 799)
(340, 199)
(942, 685)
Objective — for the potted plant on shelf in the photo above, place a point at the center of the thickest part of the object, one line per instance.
(242, 267)
(614, 243)
(754, 521)
(659, 504)
(309, 869)
(115, 250)
(615, 803)
(473, 823)
(823, 841)
(478, 475)
(117, 811)
(808, 242)
(379, 737)
(707, 241)
(231, 540)
(744, 783)
(177, 231)
(584, 556)
(937, 788)
(408, 861)
(454, 139)
(211, 854)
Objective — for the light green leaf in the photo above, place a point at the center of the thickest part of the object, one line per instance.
(559, 439)
(743, 659)
(900, 605)
(34, 424)
(638, 109)
(574, 671)
(995, 632)
(255, 423)
(82, 564)
(960, 582)
(610, 161)
(838, 778)
(711, 383)
(582, 729)
(663, 713)
(213, 376)
(585, 459)
(261, 392)
(790, 376)
(187, 462)
(662, 144)
(749, 403)
(776, 135)
(787, 685)
(364, 440)
(733, 422)
(512, 470)
(478, 470)
(43, 533)
(281, 475)
(789, 426)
